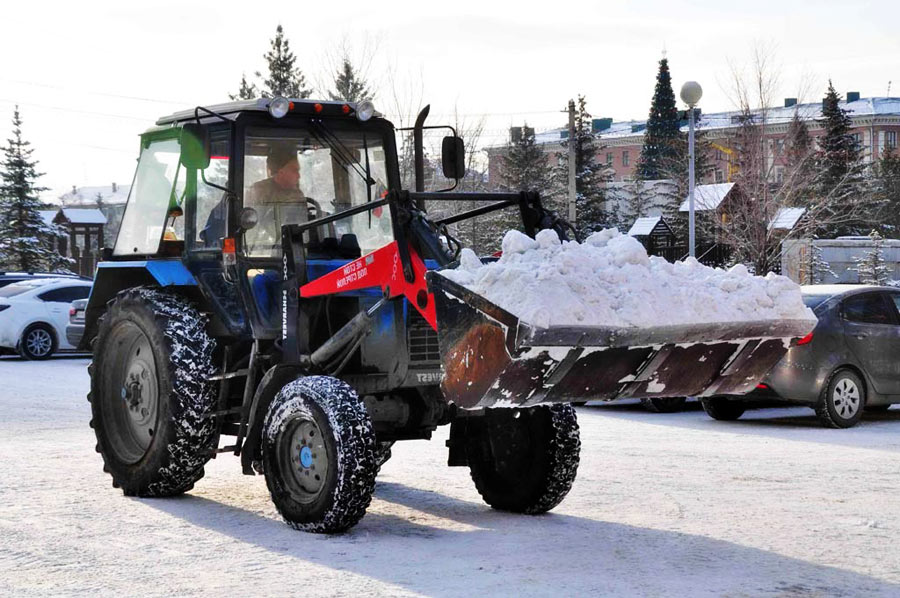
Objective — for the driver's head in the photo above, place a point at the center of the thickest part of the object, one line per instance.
(283, 166)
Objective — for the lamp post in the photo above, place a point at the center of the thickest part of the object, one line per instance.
(691, 92)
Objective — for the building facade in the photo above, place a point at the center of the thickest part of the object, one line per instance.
(875, 125)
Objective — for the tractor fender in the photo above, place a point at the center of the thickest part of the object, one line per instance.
(114, 277)
(272, 382)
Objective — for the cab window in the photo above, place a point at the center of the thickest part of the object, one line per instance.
(148, 202)
(292, 176)
(211, 209)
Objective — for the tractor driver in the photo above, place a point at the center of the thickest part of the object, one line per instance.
(277, 199)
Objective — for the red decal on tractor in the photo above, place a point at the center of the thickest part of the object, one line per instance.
(381, 268)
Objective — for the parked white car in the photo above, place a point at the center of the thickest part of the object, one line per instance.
(34, 314)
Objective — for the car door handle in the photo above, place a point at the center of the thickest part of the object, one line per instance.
(862, 336)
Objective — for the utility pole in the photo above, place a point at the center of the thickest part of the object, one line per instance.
(572, 190)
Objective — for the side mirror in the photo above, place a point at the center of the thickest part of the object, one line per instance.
(248, 218)
(453, 158)
(195, 146)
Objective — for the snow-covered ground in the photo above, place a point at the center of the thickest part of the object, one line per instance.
(664, 505)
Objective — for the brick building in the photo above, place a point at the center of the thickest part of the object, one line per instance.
(875, 123)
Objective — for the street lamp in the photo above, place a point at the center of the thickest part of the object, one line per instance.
(691, 92)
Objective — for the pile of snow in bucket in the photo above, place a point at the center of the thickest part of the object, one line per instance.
(608, 280)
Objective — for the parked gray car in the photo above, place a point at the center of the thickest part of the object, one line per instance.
(849, 363)
(75, 328)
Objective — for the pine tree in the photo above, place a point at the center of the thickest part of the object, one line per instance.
(839, 163)
(590, 196)
(799, 164)
(348, 85)
(635, 201)
(525, 166)
(814, 269)
(659, 150)
(798, 144)
(284, 79)
(872, 268)
(887, 181)
(247, 91)
(25, 241)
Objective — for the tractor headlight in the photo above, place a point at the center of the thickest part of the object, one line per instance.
(279, 106)
(365, 110)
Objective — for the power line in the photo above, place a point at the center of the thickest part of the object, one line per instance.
(98, 93)
(76, 111)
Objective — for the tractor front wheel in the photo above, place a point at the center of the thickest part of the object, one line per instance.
(151, 398)
(319, 455)
(524, 460)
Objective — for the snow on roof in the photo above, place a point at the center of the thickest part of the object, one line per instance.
(47, 216)
(707, 197)
(112, 194)
(786, 218)
(643, 226)
(863, 107)
(84, 215)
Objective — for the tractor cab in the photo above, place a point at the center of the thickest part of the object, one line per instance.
(216, 186)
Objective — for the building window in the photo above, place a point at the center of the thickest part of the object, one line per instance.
(609, 159)
(779, 146)
(626, 159)
(856, 139)
(890, 139)
(779, 174)
(720, 176)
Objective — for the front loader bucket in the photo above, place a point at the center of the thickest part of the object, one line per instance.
(492, 359)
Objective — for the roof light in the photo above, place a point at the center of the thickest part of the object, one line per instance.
(345, 109)
(365, 110)
(806, 339)
(279, 106)
(318, 108)
(762, 386)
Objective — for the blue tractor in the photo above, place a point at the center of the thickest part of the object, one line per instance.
(275, 293)
(267, 286)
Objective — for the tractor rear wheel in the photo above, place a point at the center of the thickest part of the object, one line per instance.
(524, 460)
(151, 397)
(319, 455)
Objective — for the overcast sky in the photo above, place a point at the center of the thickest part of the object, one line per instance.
(89, 76)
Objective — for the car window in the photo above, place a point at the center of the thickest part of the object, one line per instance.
(66, 294)
(870, 308)
(17, 288)
(896, 300)
(814, 301)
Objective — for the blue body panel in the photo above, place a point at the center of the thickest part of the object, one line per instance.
(166, 272)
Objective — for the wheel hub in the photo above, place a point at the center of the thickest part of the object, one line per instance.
(846, 398)
(307, 462)
(39, 342)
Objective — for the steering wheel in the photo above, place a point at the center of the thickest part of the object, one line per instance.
(316, 211)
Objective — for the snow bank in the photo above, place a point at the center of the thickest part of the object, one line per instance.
(609, 280)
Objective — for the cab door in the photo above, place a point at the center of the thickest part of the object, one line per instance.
(872, 332)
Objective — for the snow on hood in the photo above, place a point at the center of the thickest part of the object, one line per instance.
(608, 280)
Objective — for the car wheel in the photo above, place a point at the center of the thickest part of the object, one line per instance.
(37, 342)
(722, 409)
(843, 402)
